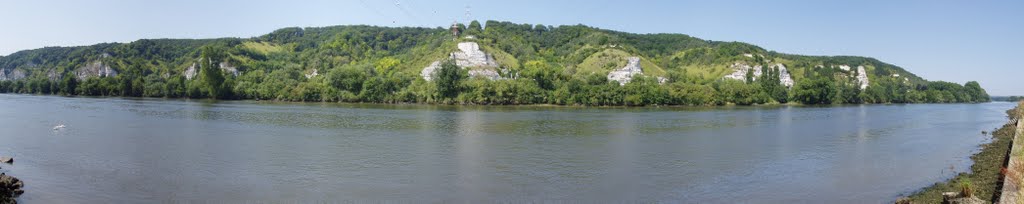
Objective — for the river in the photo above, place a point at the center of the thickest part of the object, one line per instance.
(128, 150)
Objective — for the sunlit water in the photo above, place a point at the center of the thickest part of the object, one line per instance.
(114, 150)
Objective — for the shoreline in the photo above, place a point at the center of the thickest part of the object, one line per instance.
(985, 176)
(209, 100)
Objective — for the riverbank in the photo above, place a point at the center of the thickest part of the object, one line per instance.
(985, 177)
(10, 187)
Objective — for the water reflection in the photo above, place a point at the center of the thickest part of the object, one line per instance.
(143, 150)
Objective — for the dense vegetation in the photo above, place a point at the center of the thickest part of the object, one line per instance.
(1008, 98)
(551, 65)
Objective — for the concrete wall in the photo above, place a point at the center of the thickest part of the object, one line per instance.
(1011, 193)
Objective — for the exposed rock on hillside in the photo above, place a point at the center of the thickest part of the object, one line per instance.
(625, 74)
(469, 56)
(15, 74)
(193, 70)
(95, 69)
(226, 67)
(741, 70)
(784, 76)
(312, 74)
(862, 77)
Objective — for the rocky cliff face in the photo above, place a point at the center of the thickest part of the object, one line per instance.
(95, 69)
(14, 74)
(741, 70)
(862, 77)
(625, 74)
(784, 77)
(192, 71)
(469, 56)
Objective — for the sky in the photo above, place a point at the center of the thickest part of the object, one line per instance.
(956, 41)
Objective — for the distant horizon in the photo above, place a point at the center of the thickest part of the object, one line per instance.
(936, 40)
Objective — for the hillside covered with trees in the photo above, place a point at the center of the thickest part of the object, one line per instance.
(565, 65)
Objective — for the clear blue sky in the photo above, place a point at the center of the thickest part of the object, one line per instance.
(953, 41)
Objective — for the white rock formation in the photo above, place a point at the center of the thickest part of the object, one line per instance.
(53, 76)
(625, 74)
(844, 67)
(192, 71)
(784, 77)
(469, 56)
(312, 74)
(225, 66)
(428, 72)
(862, 77)
(95, 69)
(14, 74)
(741, 70)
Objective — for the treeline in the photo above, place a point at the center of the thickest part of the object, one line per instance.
(381, 65)
(538, 84)
(1008, 98)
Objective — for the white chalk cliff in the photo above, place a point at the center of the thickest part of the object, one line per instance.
(740, 71)
(192, 71)
(862, 77)
(625, 74)
(14, 74)
(95, 69)
(469, 56)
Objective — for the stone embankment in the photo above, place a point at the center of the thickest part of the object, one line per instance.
(1013, 191)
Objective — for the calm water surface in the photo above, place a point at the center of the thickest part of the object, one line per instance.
(143, 150)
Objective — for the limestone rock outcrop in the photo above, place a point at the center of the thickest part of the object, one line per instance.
(740, 71)
(14, 74)
(784, 77)
(469, 56)
(862, 77)
(192, 71)
(625, 74)
(95, 69)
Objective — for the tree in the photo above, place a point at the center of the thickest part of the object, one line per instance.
(474, 28)
(449, 78)
(68, 85)
(210, 73)
(815, 91)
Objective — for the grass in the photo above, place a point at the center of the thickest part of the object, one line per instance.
(610, 59)
(985, 177)
(262, 47)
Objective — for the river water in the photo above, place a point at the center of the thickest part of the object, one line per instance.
(118, 150)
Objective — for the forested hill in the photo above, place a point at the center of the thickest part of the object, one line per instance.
(497, 63)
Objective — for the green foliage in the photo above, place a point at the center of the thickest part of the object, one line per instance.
(565, 65)
(449, 79)
(822, 90)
